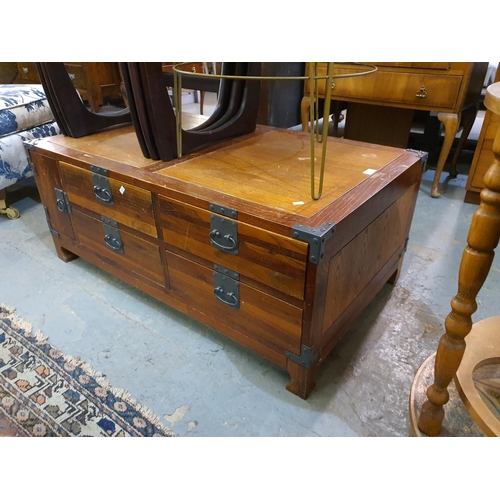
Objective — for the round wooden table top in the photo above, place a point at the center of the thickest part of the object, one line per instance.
(492, 98)
(478, 376)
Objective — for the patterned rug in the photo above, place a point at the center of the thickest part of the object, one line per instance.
(45, 393)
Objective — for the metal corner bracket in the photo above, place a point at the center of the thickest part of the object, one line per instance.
(423, 155)
(316, 237)
(52, 231)
(306, 358)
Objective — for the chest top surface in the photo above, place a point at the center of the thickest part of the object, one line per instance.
(272, 167)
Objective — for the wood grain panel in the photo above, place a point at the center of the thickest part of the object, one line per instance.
(261, 317)
(353, 267)
(141, 257)
(398, 88)
(272, 169)
(132, 206)
(269, 258)
(47, 179)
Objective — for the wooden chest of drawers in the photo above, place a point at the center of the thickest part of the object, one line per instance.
(231, 237)
(93, 80)
(380, 105)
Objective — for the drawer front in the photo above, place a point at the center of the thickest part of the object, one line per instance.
(268, 258)
(28, 72)
(424, 91)
(76, 75)
(445, 66)
(131, 206)
(258, 315)
(117, 246)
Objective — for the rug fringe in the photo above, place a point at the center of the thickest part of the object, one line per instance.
(119, 393)
(17, 322)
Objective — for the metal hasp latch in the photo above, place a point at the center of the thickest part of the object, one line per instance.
(424, 156)
(102, 188)
(226, 288)
(316, 237)
(306, 358)
(227, 212)
(62, 202)
(224, 234)
(112, 236)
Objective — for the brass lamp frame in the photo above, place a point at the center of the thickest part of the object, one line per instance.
(313, 112)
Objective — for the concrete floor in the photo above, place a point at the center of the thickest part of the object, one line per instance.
(203, 384)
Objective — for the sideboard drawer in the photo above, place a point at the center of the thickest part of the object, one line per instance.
(28, 72)
(256, 314)
(77, 75)
(125, 203)
(268, 258)
(117, 246)
(399, 88)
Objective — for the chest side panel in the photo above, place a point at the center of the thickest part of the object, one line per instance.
(354, 266)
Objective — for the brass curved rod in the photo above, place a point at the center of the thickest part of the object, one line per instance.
(372, 69)
(326, 114)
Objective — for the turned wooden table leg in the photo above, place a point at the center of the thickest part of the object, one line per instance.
(484, 234)
(451, 122)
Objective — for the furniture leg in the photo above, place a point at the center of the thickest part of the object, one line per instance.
(303, 380)
(395, 276)
(468, 116)
(450, 122)
(484, 234)
(202, 100)
(64, 254)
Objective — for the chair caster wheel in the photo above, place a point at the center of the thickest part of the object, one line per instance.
(12, 213)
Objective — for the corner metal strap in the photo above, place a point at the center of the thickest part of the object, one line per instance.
(306, 358)
(316, 237)
(53, 232)
(424, 156)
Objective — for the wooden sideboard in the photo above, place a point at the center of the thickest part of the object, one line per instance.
(483, 156)
(93, 80)
(381, 104)
(231, 237)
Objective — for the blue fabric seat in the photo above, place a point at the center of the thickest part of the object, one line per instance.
(25, 115)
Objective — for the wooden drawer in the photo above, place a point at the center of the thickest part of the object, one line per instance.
(396, 88)
(268, 258)
(445, 66)
(77, 75)
(257, 315)
(136, 255)
(131, 206)
(28, 72)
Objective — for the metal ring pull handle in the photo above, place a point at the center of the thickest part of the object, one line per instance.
(219, 295)
(61, 206)
(102, 194)
(216, 234)
(114, 243)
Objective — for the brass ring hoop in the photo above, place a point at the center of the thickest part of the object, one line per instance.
(314, 117)
(372, 69)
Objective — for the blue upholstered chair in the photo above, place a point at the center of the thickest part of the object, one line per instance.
(25, 116)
